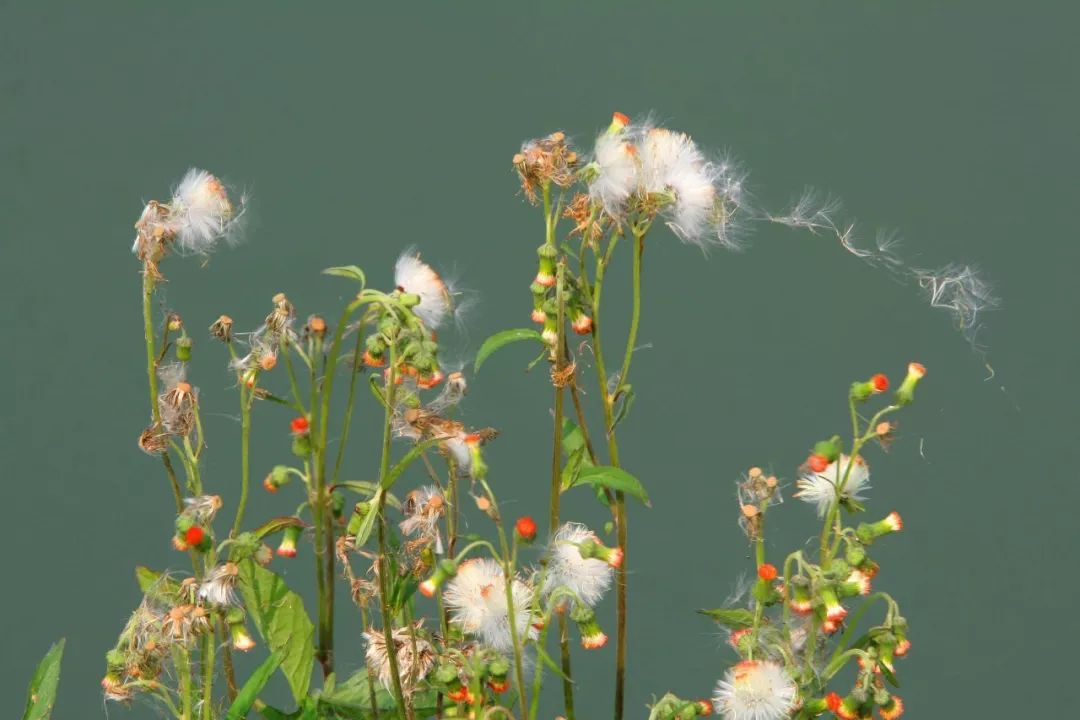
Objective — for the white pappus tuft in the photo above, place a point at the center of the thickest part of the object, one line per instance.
(587, 578)
(755, 690)
(820, 489)
(416, 277)
(199, 215)
(616, 171)
(476, 598)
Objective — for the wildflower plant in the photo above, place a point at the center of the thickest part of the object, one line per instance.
(457, 624)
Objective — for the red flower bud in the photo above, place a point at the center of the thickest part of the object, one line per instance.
(194, 536)
(817, 463)
(767, 572)
(299, 425)
(526, 528)
(880, 383)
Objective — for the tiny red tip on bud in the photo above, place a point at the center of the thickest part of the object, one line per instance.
(539, 316)
(526, 528)
(916, 369)
(833, 701)
(895, 521)
(299, 425)
(615, 558)
(620, 119)
(594, 642)
(767, 572)
(427, 588)
(817, 463)
(902, 648)
(194, 536)
(880, 382)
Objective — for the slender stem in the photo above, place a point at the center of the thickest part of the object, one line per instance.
(226, 659)
(384, 569)
(245, 461)
(349, 404)
(557, 431)
(182, 661)
(207, 709)
(509, 557)
(151, 376)
(366, 623)
(564, 652)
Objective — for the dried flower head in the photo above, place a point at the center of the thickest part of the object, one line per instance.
(545, 160)
(423, 508)
(413, 667)
(219, 587)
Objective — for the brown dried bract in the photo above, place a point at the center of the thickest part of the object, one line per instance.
(545, 160)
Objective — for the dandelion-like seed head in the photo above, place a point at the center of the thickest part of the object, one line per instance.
(201, 213)
(219, 587)
(613, 173)
(820, 488)
(587, 578)
(476, 598)
(416, 277)
(755, 690)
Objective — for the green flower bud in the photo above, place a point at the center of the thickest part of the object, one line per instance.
(301, 445)
(183, 348)
(869, 532)
(906, 392)
(360, 511)
(854, 554)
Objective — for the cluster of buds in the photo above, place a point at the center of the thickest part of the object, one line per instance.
(671, 707)
(862, 391)
(545, 300)
(193, 531)
(415, 345)
(300, 429)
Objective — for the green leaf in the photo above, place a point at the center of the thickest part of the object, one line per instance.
(151, 582)
(625, 397)
(572, 437)
(734, 618)
(277, 524)
(572, 469)
(41, 694)
(500, 339)
(406, 461)
(279, 615)
(352, 699)
(368, 490)
(246, 697)
(368, 523)
(615, 479)
(348, 271)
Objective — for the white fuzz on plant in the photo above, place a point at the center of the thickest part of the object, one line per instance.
(820, 489)
(219, 588)
(412, 667)
(755, 690)
(616, 172)
(416, 277)
(586, 578)
(201, 214)
(476, 598)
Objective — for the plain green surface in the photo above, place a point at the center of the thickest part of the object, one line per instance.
(360, 130)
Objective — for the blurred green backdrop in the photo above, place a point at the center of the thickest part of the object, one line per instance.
(360, 129)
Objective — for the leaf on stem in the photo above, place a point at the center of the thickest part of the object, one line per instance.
(348, 271)
(254, 685)
(613, 478)
(41, 694)
(734, 618)
(416, 451)
(501, 339)
(277, 524)
(279, 615)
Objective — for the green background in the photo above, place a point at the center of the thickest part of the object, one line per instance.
(361, 130)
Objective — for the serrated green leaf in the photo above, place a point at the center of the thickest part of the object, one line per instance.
(278, 614)
(614, 478)
(246, 697)
(501, 339)
(151, 582)
(41, 695)
(348, 271)
(277, 524)
(146, 578)
(572, 469)
(352, 699)
(734, 618)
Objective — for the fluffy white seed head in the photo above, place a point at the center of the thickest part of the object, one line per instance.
(412, 667)
(201, 213)
(615, 162)
(219, 587)
(755, 690)
(820, 488)
(416, 277)
(587, 578)
(476, 598)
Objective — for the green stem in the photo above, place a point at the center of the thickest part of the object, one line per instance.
(245, 460)
(151, 376)
(208, 676)
(365, 622)
(182, 661)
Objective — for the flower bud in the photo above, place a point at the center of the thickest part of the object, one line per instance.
(287, 548)
(906, 392)
(854, 554)
(301, 445)
(580, 322)
(618, 123)
(525, 529)
(276, 478)
(445, 570)
(316, 326)
(241, 639)
(801, 602)
(545, 275)
(592, 637)
(197, 538)
(498, 675)
(892, 708)
(869, 532)
(263, 554)
(844, 708)
(595, 549)
(857, 583)
(834, 611)
(300, 425)
(828, 449)
(766, 572)
(183, 348)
